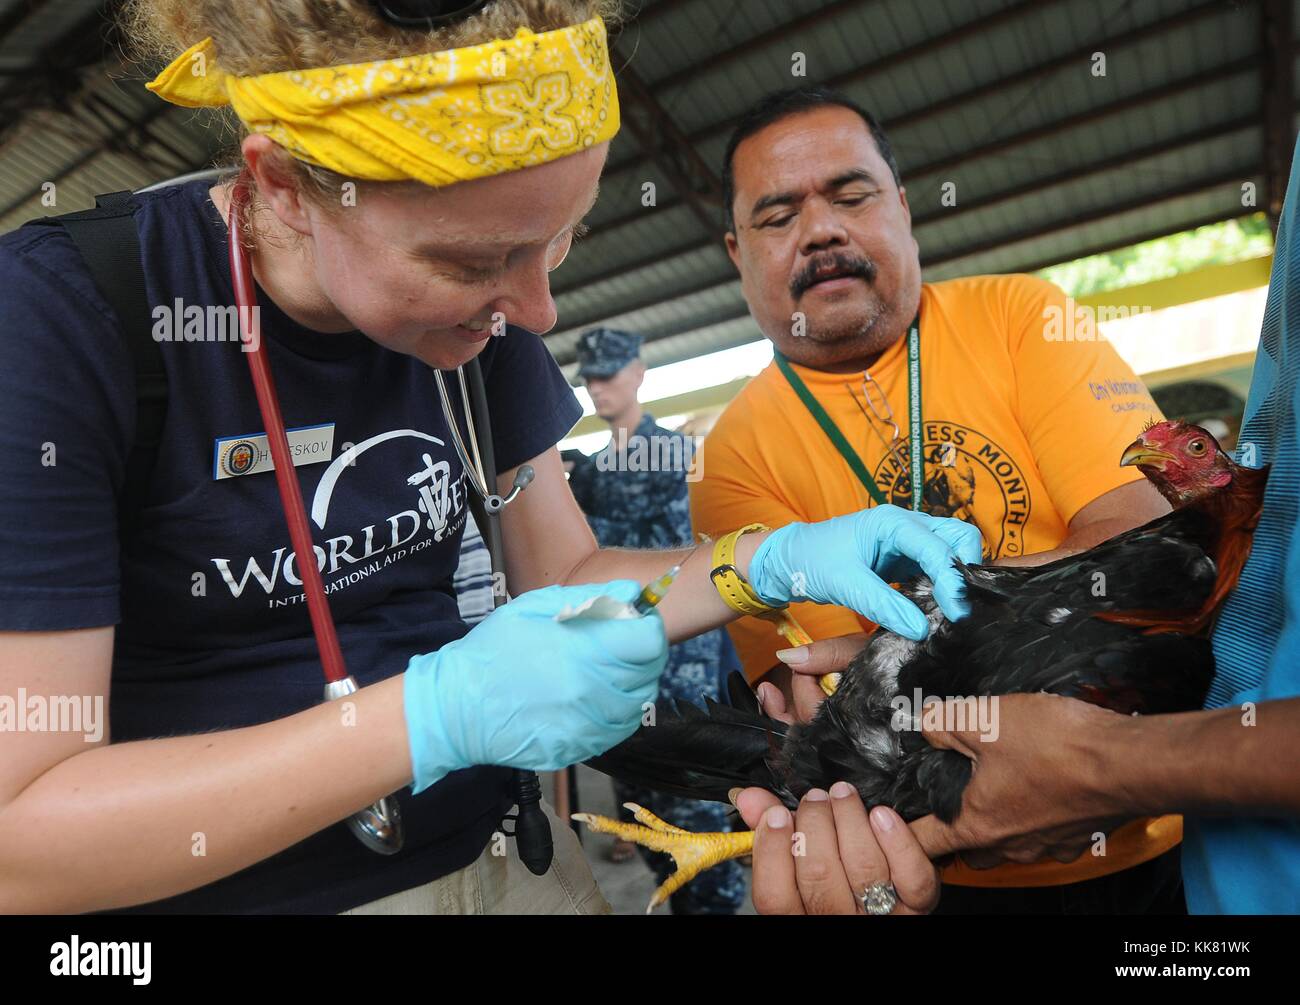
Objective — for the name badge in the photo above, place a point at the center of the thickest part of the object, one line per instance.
(236, 456)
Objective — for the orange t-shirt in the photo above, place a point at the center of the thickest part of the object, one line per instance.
(1022, 430)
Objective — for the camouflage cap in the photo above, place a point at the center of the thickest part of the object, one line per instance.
(602, 352)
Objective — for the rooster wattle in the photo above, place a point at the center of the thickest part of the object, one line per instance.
(1124, 625)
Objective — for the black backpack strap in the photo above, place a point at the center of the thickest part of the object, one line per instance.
(107, 239)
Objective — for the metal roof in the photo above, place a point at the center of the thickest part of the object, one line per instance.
(1050, 161)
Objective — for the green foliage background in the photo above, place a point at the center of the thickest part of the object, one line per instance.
(1215, 244)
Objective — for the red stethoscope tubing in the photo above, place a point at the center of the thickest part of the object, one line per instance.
(295, 513)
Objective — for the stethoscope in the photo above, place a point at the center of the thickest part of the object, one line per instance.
(474, 471)
(379, 826)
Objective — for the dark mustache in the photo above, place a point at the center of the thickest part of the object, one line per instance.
(844, 265)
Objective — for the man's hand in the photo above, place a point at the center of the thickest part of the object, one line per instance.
(1039, 790)
(1036, 792)
(821, 860)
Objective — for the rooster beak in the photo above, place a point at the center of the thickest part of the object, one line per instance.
(1140, 452)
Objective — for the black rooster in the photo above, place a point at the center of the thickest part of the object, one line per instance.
(1123, 625)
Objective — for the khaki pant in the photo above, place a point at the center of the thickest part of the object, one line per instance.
(501, 884)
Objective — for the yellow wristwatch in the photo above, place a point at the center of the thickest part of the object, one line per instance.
(733, 587)
(739, 595)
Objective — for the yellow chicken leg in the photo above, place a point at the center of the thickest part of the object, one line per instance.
(692, 853)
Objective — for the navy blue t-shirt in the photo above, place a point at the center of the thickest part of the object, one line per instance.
(212, 627)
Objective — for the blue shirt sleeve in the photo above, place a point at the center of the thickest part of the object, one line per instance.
(1251, 864)
(66, 416)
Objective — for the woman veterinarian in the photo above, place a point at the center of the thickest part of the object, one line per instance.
(409, 187)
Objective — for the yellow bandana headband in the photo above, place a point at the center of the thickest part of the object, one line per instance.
(438, 118)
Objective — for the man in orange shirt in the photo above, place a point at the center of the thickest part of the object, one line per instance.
(994, 389)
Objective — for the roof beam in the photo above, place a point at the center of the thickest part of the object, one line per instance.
(1053, 64)
(783, 32)
(640, 304)
(627, 268)
(779, 33)
(1080, 172)
(985, 91)
(97, 105)
(19, 13)
(81, 46)
(647, 15)
(663, 141)
(1053, 128)
(1077, 173)
(81, 161)
(1197, 186)
(1168, 90)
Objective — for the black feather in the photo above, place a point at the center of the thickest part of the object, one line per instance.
(699, 753)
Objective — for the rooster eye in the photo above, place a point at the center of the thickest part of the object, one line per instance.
(1196, 448)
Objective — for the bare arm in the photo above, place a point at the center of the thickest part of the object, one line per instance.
(92, 826)
(1061, 769)
(1113, 513)
(547, 540)
(1214, 763)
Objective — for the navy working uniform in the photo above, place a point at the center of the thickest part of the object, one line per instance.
(634, 495)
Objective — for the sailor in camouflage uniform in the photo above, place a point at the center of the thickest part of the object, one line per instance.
(635, 496)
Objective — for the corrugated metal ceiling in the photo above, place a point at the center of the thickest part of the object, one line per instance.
(996, 96)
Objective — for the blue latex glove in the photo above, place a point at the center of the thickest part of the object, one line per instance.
(851, 560)
(525, 691)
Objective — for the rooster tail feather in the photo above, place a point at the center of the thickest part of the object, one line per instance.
(701, 753)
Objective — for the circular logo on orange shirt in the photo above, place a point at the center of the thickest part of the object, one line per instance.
(965, 473)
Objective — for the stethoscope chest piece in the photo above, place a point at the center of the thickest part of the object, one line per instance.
(379, 825)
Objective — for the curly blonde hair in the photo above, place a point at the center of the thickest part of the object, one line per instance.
(255, 36)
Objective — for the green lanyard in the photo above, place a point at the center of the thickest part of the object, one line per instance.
(833, 433)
